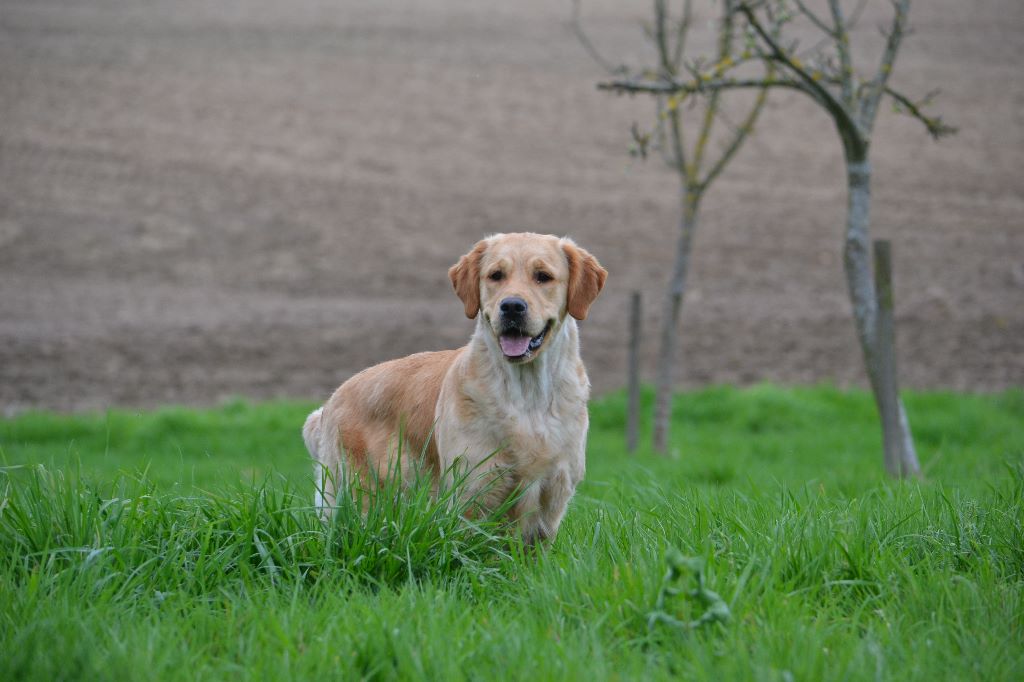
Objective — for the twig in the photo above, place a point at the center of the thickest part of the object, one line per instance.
(682, 31)
(740, 135)
(869, 104)
(576, 26)
(842, 41)
(814, 18)
(937, 128)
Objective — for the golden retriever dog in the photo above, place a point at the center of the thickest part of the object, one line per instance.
(511, 405)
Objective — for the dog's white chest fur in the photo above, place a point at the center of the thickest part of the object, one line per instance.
(532, 421)
(537, 441)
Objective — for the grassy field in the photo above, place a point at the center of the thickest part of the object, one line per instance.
(179, 544)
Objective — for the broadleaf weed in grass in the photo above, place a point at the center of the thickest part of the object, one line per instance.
(711, 607)
(830, 571)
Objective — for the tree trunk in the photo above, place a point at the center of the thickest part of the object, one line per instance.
(873, 318)
(633, 408)
(670, 324)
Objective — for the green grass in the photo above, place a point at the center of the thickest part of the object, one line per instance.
(211, 565)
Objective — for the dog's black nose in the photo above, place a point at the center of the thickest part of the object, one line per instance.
(513, 306)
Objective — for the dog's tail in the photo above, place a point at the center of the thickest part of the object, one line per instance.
(324, 490)
(311, 434)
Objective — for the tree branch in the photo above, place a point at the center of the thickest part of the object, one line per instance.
(663, 149)
(779, 55)
(842, 41)
(668, 69)
(855, 141)
(637, 85)
(877, 86)
(576, 26)
(682, 30)
(814, 18)
(740, 135)
(711, 111)
(661, 40)
(856, 14)
(851, 23)
(937, 128)
(678, 145)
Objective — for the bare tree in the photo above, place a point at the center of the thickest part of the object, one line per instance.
(827, 74)
(687, 154)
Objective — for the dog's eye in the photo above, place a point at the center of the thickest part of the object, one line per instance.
(496, 276)
(543, 277)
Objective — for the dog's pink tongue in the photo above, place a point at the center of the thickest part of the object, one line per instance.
(514, 346)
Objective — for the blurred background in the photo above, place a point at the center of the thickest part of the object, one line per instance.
(251, 197)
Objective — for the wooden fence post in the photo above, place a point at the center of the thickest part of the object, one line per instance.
(900, 458)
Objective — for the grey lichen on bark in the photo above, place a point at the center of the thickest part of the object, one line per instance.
(856, 259)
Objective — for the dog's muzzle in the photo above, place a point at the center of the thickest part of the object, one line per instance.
(516, 343)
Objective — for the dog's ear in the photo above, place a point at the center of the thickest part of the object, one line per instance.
(465, 277)
(586, 279)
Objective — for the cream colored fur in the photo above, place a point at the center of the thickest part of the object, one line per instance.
(531, 412)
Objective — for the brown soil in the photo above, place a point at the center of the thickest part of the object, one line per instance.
(258, 198)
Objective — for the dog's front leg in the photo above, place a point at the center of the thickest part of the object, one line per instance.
(554, 494)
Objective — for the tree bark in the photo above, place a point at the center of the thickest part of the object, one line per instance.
(873, 318)
(633, 408)
(670, 324)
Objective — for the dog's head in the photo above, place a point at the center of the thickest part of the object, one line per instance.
(524, 285)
